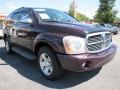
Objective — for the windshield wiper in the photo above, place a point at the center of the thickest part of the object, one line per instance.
(59, 21)
(51, 21)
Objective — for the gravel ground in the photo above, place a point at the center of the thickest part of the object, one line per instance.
(17, 73)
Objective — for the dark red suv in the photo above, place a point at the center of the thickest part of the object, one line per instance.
(57, 41)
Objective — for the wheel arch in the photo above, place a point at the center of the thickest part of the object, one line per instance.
(45, 44)
(5, 36)
(41, 44)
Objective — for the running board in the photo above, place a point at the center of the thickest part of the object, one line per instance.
(24, 53)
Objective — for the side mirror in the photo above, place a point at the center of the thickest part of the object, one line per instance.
(26, 20)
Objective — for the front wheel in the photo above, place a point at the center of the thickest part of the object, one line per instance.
(49, 66)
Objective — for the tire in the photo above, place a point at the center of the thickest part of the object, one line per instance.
(48, 64)
(8, 46)
(115, 33)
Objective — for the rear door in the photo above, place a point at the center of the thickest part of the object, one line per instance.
(12, 26)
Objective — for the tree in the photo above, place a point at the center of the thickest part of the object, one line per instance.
(106, 13)
(72, 9)
(117, 20)
(73, 12)
(82, 17)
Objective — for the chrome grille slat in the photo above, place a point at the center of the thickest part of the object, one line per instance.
(95, 42)
(94, 38)
(98, 41)
(94, 47)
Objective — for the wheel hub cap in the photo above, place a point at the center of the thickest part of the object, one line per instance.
(46, 64)
(7, 46)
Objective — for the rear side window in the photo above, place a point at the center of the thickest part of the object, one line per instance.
(9, 16)
(12, 18)
(16, 16)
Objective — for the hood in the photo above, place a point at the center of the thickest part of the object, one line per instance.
(72, 28)
(90, 27)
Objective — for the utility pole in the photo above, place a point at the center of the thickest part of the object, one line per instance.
(75, 6)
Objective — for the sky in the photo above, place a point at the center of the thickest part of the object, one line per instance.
(87, 7)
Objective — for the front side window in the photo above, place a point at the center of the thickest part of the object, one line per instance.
(24, 15)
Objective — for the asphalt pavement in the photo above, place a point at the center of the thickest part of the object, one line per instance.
(17, 73)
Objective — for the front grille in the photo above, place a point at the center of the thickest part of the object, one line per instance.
(98, 41)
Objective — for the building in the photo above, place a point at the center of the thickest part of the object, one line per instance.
(2, 16)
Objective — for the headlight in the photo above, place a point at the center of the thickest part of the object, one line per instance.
(74, 45)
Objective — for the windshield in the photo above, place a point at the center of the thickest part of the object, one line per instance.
(51, 15)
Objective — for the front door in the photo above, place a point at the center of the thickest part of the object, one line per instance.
(25, 36)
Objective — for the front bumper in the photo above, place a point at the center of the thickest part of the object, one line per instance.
(86, 62)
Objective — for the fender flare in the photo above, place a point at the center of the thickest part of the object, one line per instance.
(54, 41)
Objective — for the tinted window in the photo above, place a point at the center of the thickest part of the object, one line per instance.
(9, 16)
(24, 15)
(16, 16)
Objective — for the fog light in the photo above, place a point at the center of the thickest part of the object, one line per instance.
(83, 65)
(86, 64)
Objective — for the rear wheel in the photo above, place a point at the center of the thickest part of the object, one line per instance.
(8, 46)
(49, 66)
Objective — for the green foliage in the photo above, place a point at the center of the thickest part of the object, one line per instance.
(117, 20)
(81, 17)
(75, 14)
(106, 13)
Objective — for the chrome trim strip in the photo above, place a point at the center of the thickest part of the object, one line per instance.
(98, 33)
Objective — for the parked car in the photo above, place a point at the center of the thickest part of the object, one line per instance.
(117, 29)
(1, 32)
(113, 29)
(57, 41)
